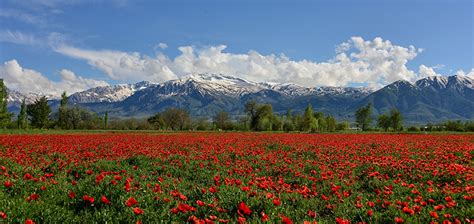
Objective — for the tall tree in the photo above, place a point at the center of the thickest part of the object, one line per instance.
(331, 123)
(396, 119)
(176, 118)
(363, 116)
(39, 113)
(5, 116)
(383, 121)
(264, 117)
(309, 123)
(251, 110)
(106, 119)
(22, 116)
(62, 112)
(222, 120)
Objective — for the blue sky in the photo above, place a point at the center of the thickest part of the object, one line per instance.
(93, 42)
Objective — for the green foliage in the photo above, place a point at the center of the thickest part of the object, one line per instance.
(5, 116)
(63, 112)
(106, 119)
(260, 116)
(22, 119)
(363, 117)
(222, 120)
(396, 119)
(39, 113)
(383, 121)
(171, 118)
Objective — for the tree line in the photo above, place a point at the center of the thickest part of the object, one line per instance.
(258, 117)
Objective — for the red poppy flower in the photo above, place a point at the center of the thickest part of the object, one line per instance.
(8, 184)
(29, 221)
(137, 211)
(398, 220)
(277, 202)
(370, 213)
(32, 197)
(3, 215)
(131, 202)
(244, 209)
(72, 195)
(200, 203)
(88, 198)
(105, 200)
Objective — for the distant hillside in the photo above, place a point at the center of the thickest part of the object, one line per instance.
(431, 99)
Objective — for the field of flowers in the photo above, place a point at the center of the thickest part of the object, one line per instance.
(236, 177)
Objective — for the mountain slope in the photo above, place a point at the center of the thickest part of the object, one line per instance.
(431, 99)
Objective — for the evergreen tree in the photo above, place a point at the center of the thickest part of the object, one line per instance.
(22, 117)
(5, 116)
(62, 112)
(106, 119)
(39, 113)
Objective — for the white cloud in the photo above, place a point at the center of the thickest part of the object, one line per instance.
(162, 45)
(425, 71)
(27, 80)
(18, 37)
(469, 74)
(22, 16)
(374, 62)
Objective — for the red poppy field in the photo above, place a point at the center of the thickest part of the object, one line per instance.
(236, 177)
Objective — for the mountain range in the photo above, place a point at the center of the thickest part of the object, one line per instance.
(431, 99)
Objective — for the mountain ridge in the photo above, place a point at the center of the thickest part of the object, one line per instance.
(428, 99)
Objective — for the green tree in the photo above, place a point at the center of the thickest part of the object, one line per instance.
(344, 125)
(363, 117)
(309, 122)
(396, 119)
(222, 120)
(5, 116)
(39, 113)
(251, 110)
(176, 118)
(63, 111)
(288, 123)
(157, 121)
(384, 121)
(106, 119)
(331, 123)
(260, 116)
(22, 116)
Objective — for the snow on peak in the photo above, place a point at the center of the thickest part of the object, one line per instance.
(432, 81)
(113, 93)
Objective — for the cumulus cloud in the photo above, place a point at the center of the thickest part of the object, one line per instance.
(27, 80)
(468, 74)
(425, 71)
(357, 61)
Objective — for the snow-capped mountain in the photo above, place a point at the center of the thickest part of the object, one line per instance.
(114, 93)
(428, 99)
(209, 84)
(17, 97)
(433, 98)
